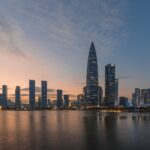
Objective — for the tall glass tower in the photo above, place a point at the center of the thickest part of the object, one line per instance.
(92, 88)
(17, 97)
(32, 94)
(4, 96)
(44, 94)
(59, 98)
(110, 85)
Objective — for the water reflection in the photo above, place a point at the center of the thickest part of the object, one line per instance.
(77, 130)
(91, 131)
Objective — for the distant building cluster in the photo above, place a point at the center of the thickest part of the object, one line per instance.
(141, 97)
(62, 101)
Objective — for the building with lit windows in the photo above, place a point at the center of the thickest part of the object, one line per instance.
(111, 85)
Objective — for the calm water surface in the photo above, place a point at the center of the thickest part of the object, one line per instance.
(75, 130)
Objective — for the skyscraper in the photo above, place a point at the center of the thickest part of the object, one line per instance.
(84, 94)
(44, 94)
(148, 96)
(100, 102)
(133, 100)
(32, 94)
(92, 93)
(144, 96)
(110, 85)
(17, 97)
(66, 101)
(116, 91)
(136, 98)
(59, 99)
(1, 99)
(4, 96)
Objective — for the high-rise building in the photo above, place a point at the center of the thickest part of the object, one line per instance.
(32, 94)
(144, 96)
(4, 96)
(133, 100)
(17, 97)
(110, 85)
(59, 99)
(1, 99)
(100, 98)
(44, 94)
(66, 101)
(116, 91)
(148, 96)
(84, 94)
(136, 98)
(91, 89)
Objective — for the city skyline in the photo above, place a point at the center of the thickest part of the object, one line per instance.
(36, 39)
(74, 74)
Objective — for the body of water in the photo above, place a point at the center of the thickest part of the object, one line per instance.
(74, 130)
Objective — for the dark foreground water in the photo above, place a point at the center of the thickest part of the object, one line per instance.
(74, 130)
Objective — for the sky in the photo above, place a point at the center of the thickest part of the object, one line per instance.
(50, 40)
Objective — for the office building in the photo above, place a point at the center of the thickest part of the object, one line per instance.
(100, 94)
(116, 91)
(59, 101)
(32, 94)
(44, 94)
(17, 97)
(4, 96)
(136, 97)
(110, 85)
(66, 101)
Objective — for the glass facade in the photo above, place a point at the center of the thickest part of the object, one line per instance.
(92, 89)
(4, 96)
(66, 101)
(44, 94)
(17, 97)
(110, 85)
(32, 94)
(59, 99)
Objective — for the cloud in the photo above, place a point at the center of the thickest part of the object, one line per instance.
(38, 90)
(69, 25)
(8, 34)
(50, 95)
(125, 77)
(80, 83)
